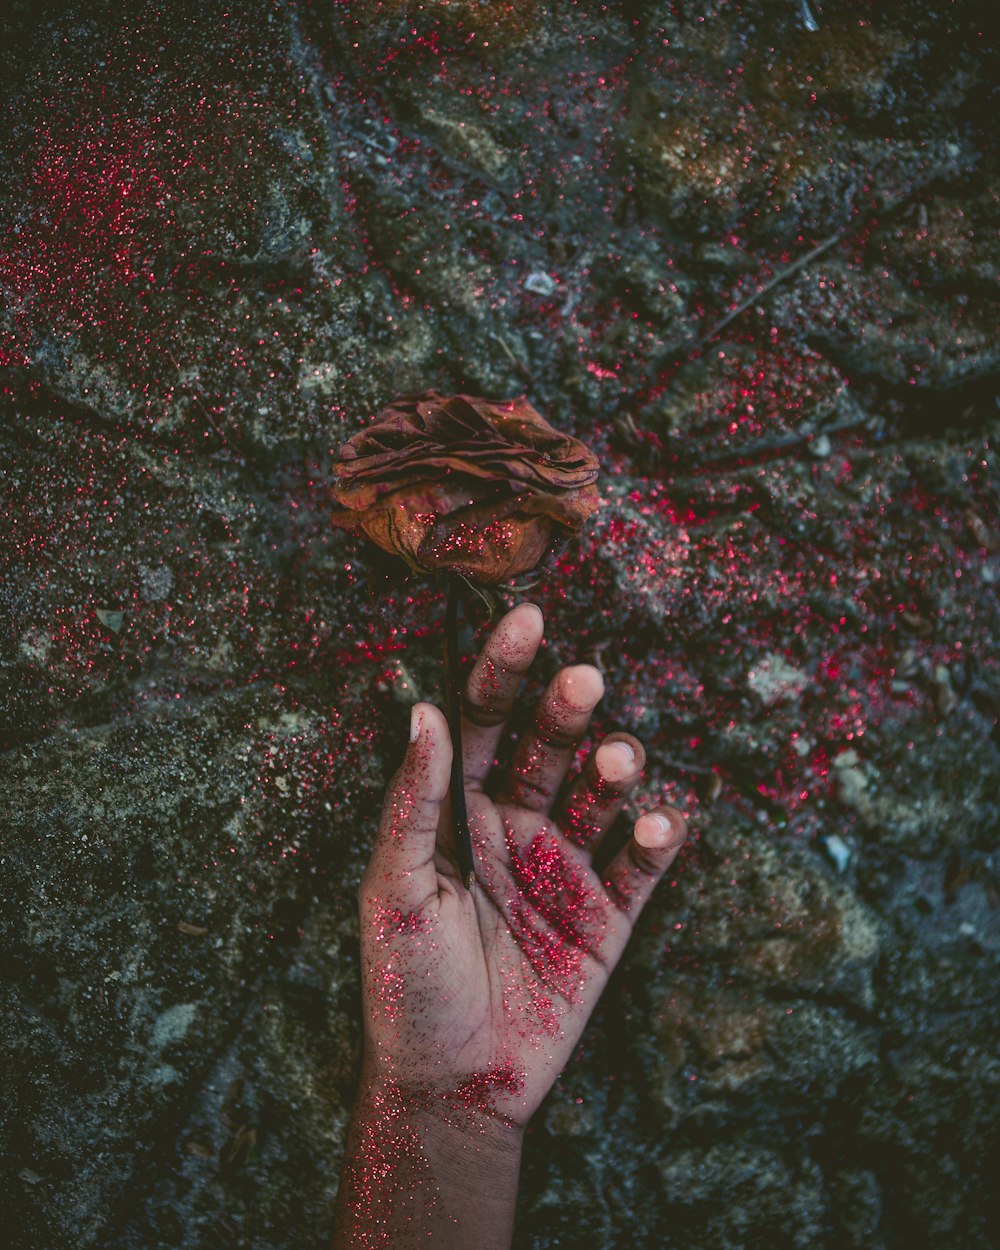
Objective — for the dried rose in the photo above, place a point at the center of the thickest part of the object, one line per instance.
(464, 485)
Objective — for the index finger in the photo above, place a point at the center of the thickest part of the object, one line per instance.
(492, 687)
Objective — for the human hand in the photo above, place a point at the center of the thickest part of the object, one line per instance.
(474, 999)
(496, 983)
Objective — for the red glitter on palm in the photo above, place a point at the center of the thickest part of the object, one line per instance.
(474, 1000)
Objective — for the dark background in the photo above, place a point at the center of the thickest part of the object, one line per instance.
(230, 233)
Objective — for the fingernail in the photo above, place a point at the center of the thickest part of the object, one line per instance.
(582, 687)
(416, 720)
(617, 760)
(652, 830)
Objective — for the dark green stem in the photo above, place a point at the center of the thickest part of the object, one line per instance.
(453, 706)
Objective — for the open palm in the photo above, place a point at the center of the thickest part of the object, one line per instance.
(478, 996)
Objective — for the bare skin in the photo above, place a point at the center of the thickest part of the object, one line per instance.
(474, 999)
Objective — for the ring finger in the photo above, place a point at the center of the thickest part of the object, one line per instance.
(598, 795)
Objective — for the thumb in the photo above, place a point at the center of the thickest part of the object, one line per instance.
(403, 856)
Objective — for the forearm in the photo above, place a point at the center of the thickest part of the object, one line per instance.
(419, 1168)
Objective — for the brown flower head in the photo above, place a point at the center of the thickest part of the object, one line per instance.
(464, 485)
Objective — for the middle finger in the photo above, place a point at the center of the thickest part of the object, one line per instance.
(543, 755)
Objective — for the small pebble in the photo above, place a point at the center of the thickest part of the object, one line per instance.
(838, 851)
(539, 283)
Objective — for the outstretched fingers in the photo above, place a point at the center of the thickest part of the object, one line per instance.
(492, 687)
(635, 871)
(402, 863)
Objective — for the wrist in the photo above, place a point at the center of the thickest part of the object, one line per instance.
(425, 1163)
(457, 1112)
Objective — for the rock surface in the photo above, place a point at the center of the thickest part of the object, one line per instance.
(754, 266)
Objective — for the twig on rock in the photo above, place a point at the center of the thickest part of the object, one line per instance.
(786, 273)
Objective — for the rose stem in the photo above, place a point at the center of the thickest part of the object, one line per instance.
(453, 703)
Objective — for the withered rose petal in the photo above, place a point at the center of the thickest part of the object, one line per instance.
(464, 484)
(487, 543)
